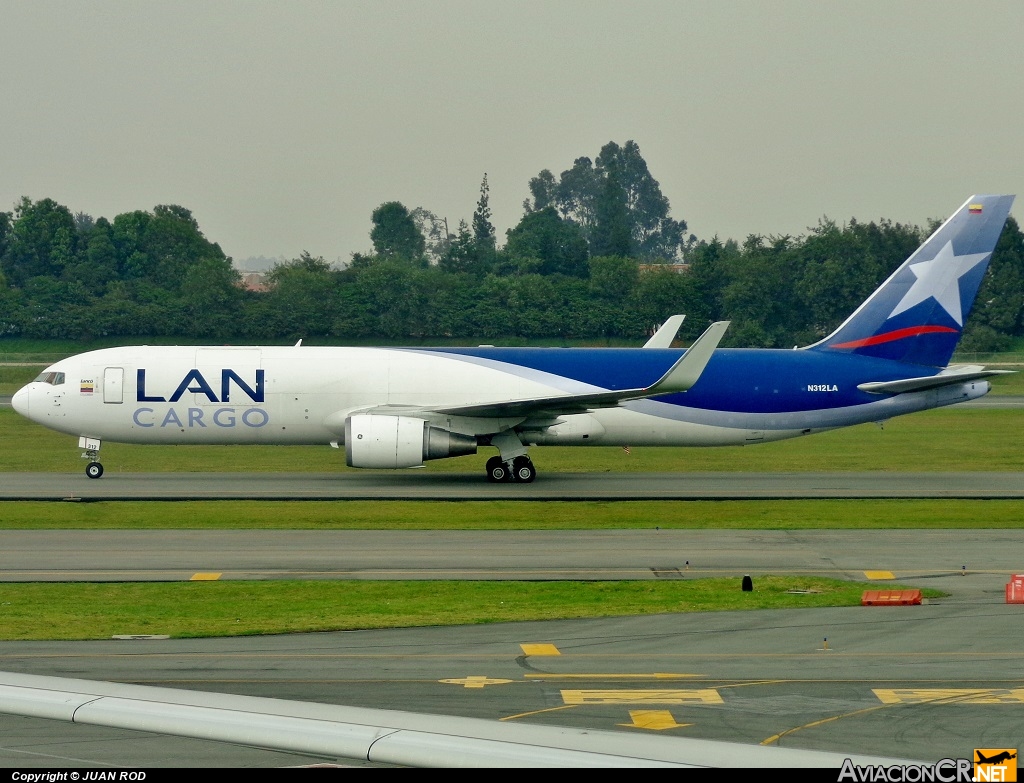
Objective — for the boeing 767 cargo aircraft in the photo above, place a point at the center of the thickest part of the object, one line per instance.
(398, 407)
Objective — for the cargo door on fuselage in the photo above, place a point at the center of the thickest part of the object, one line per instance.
(113, 385)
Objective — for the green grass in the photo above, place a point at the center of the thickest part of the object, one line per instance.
(516, 515)
(1007, 385)
(98, 611)
(13, 377)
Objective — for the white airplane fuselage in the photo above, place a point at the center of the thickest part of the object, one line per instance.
(303, 395)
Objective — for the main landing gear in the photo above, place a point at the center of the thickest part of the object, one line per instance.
(512, 462)
(521, 470)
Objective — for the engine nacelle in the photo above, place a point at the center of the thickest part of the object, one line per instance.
(374, 440)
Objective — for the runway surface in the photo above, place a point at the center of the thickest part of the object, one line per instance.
(420, 485)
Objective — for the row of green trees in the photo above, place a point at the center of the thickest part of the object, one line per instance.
(595, 256)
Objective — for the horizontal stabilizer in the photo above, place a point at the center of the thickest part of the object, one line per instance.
(948, 377)
(666, 333)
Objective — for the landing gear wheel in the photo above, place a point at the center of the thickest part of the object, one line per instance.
(523, 470)
(497, 471)
(94, 470)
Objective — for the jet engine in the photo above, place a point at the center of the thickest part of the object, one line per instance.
(380, 441)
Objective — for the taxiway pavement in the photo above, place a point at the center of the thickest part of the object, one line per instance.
(178, 555)
(920, 682)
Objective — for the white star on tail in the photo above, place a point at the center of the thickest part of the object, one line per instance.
(940, 279)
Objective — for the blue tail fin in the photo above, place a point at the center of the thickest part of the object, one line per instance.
(918, 314)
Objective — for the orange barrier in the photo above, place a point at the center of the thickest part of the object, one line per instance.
(1015, 589)
(890, 598)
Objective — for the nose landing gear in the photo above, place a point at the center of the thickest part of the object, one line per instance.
(92, 452)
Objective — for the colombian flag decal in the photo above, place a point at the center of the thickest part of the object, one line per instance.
(974, 209)
(86, 387)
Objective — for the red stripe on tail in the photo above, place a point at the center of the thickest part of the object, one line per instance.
(899, 334)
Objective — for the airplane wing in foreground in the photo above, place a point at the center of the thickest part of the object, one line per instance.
(380, 736)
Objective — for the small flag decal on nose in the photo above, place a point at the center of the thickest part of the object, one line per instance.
(974, 209)
(87, 387)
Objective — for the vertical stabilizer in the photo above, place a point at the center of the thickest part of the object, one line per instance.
(918, 314)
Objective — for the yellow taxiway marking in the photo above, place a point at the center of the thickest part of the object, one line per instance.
(205, 577)
(656, 720)
(476, 681)
(893, 697)
(538, 712)
(776, 737)
(951, 695)
(652, 676)
(879, 575)
(700, 696)
(539, 649)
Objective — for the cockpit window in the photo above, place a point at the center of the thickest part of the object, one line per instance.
(52, 378)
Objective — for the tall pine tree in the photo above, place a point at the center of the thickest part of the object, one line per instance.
(483, 229)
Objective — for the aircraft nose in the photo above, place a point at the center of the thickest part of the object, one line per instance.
(20, 401)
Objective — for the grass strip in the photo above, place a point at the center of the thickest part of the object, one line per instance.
(76, 611)
(927, 514)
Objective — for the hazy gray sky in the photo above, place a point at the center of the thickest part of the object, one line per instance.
(283, 125)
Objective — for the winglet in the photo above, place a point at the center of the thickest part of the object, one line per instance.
(666, 333)
(686, 372)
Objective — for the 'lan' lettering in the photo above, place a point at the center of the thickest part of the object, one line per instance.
(195, 383)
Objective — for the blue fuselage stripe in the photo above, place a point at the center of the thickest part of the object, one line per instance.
(736, 380)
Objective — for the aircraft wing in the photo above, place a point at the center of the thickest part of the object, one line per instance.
(680, 377)
(380, 736)
(948, 377)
